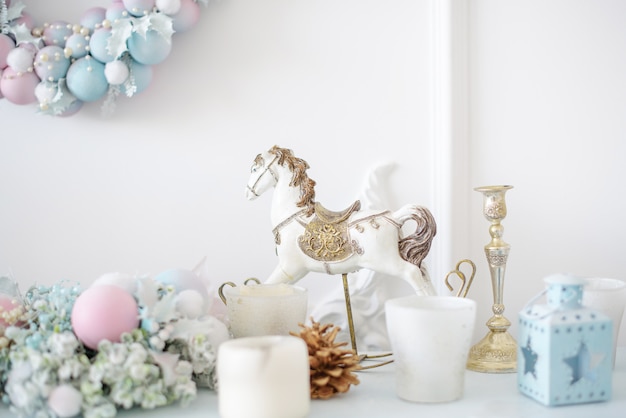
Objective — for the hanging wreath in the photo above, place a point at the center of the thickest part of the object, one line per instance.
(61, 65)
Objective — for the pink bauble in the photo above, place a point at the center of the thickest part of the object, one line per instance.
(56, 33)
(7, 303)
(6, 45)
(187, 16)
(93, 17)
(26, 19)
(104, 313)
(65, 401)
(19, 88)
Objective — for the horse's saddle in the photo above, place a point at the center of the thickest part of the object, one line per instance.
(326, 237)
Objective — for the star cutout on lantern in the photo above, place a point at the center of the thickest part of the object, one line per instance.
(584, 364)
(530, 359)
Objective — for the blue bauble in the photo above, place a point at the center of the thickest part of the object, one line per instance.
(78, 44)
(56, 33)
(149, 50)
(50, 63)
(86, 80)
(142, 76)
(98, 45)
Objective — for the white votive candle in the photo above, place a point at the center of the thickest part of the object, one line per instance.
(263, 377)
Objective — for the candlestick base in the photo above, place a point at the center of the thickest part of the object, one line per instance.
(497, 351)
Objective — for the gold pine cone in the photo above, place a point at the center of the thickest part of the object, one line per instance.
(331, 365)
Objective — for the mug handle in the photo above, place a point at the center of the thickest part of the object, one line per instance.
(220, 291)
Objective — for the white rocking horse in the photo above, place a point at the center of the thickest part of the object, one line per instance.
(309, 237)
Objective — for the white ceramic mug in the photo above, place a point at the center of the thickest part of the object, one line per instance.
(264, 309)
(430, 338)
(609, 297)
(264, 377)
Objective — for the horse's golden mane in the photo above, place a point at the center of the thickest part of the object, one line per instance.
(299, 177)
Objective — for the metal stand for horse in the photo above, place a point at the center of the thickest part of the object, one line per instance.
(362, 357)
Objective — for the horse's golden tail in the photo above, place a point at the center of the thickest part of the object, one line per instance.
(415, 247)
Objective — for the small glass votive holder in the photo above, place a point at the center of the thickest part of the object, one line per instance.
(264, 309)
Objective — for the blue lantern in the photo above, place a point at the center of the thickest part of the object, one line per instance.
(565, 350)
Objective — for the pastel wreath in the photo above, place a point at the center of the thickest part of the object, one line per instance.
(110, 52)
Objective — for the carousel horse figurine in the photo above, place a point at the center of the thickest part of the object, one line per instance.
(311, 238)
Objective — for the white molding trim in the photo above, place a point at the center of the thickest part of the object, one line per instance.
(449, 134)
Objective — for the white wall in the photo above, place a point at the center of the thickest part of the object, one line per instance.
(537, 101)
(547, 106)
(160, 184)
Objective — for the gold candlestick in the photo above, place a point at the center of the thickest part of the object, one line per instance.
(497, 351)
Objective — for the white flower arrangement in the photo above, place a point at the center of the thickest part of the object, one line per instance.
(47, 372)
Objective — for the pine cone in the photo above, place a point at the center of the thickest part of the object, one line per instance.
(331, 365)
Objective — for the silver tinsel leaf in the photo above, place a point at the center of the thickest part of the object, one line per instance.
(15, 11)
(141, 25)
(147, 293)
(23, 35)
(161, 24)
(121, 30)
(164, 311)
(158, 22)
(9, 287)
(109, 104)
(61, 101)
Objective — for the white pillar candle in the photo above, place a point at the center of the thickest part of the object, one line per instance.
(265, 309)
(263, 377)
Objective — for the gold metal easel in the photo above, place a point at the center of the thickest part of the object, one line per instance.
(362, 357)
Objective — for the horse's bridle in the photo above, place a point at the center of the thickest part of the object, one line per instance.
(267, 169)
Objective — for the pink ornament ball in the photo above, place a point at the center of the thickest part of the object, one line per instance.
(139, 7)
(26, 19)
(7, 304)
(65, 401)
(6, 45)
(104, 313)
(150, 49)
(187, 16)
(93, 17)
(57, 33)
(86, 80)
(19, 88)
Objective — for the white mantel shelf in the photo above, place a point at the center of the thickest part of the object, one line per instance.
(486, 396)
